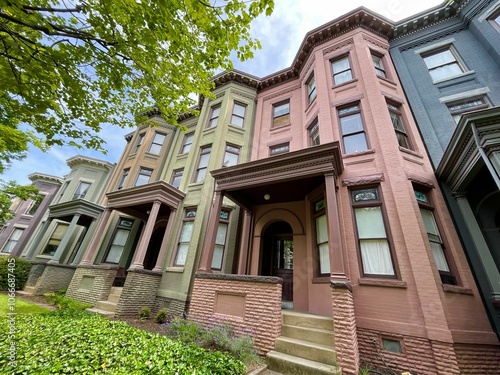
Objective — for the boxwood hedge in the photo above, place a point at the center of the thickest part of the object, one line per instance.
(72, 342)
(16, 269)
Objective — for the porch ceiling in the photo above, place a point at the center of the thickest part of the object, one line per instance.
(287, 177)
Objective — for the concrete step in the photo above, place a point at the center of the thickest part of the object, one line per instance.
(307, 350)
(114, 298)
(104, 313)
(315, 335)
(24, 292)
(291, 365)
(294, 318)
(116, 290)
(29, 290)
(106, 305)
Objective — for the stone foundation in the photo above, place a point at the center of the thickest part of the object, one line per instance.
(478, 359)
(139, 291)
(54, 277)
(91, 283)
(252, 304)
(35, 272)
(173, 306)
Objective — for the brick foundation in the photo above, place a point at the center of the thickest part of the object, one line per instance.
(252, 304)
(54, 277)
(344, 325)
(478, 359)
(173, 306)
(139, 290)
(91, 283)
(35, 272)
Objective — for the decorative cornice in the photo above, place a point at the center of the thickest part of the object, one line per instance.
(420, 179)
(73, 207)
(363, 180)
(376, 42)
(46, 178)
(79, 159)
(284, 92)
(338, 46)
(244, 95)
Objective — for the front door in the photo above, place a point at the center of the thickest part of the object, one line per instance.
(283, 264)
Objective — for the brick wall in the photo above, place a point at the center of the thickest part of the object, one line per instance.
(258, 316)
(139, 290)
(344, 325)
(55, 277)
(173, 306)
(478, 359)
(35, 272)
(102, 279)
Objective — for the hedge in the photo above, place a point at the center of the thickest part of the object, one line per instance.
(14, 268)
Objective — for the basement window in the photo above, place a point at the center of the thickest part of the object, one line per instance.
(392, 345)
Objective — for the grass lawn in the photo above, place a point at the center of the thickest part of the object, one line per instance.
(21, 307)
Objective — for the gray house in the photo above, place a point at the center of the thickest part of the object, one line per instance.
(447, 59)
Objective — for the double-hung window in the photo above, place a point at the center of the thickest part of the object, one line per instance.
(220, 240)
(201, 170)
(186, 143)
(281, 114)
(373, 242)
(238, 116)
(157, 143)
(214, 117)
(12, 241)
(311, 89)
(34, 204)
(322, 247)
(55, 239)
(442, 64)
(138, 144)
(123, 178)
(353, 131)
(397, 123)
(81, 190)
(314, 134)
(341, 70)
(119, 241)
(176, 177)
(144, 176)
(185, 237)
(379, 66)
(231, 155)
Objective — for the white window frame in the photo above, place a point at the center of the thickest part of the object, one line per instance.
(12, 243)
(183, 244)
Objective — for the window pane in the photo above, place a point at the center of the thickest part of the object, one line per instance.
(376, 257)
(438, 59)
(239, 110)
(370, 223)
(340, 65)
(155, 149)
(230, 159)
(217, 258)
(343, 77)
(324, 259)
(445, 72)
(429, 222)
(282, 109)
(221, 234)
(180, 259)
(351, 124)
(321, 229)
(187, 231)
(355, 143)
(437, 251)
(237, 121)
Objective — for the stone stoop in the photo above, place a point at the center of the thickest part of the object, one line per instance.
(306, 346)
(107, 308)
(27, 291)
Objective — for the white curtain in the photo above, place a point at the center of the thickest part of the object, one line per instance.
(376, 257)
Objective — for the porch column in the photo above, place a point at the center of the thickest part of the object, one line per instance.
(245, 234)
(209, 244)
(482, 248)
(65, 240)
(163, 248)
(92, 248)
(38, 238)
(85, 240)
(140, 252)
(337, 269)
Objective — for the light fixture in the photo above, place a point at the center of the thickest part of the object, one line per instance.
(267, 196)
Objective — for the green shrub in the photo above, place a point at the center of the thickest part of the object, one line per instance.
(162, 316)
(63, 303)
(75, 342)
(144, 313)
(15, 269)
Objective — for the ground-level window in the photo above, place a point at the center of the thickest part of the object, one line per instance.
(185, 237)
(119, 241)
(12, 241)
(220, 240)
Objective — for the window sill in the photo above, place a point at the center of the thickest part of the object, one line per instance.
(411, 152)
(321, 280)
(150, 154)
(236, 128)
(310, 104)
(454, 77)
(354, 80)
(209, 130)
(354, 154)
(281, 127)
(178, 269)
(44, 256)
(457, 289)
(383, 282)
(183, 156)
(385, 79)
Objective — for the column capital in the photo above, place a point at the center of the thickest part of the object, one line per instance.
(459, 195)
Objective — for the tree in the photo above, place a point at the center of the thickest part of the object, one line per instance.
(68, 67)
(11, 190)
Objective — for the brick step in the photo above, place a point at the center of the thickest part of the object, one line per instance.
(106, 305)
(298, 319)
(104, 313)
(314, 335)
(307, 350)
(291, 365)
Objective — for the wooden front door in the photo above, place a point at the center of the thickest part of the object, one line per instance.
(283, 264)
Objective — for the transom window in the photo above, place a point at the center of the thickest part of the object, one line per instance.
(157, 143)
(442, 64)
(281, 114)
(81, 190)
(176, 177)
(397, 123)
(353, 132)
(314, 134)
(279, 149)
(341, 70)
(214, 117)
(457, 109)
(186, 143)
(311, 89)
(231, 155)
(201, 170)
(140, 138)
(185, 237)
(379, 66)
(144, 176)
(117, 245)
(220, 240)
(373, 242)
(238, 116)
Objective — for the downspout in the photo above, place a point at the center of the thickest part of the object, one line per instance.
(485, 158)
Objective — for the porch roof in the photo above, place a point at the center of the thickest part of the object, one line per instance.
(68, 209)
(287, 177)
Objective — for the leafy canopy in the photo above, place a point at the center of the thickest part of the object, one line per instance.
(66, 67)
(10, 191)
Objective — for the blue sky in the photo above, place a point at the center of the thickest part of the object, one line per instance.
(280, 36)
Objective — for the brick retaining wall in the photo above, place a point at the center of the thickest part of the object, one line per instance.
(91, 283)
(35, 272)
(139, 291)
(54, 277)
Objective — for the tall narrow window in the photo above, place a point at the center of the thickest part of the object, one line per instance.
(372, 237)
(231, 155)
(34, 204)
(123, 178)
(12, 241)
(353, 132)
(201, 170)
(144, 176)
(81, 190)
(185, 237)
(279, 149)
(157, 143)
(379, 66)
(314, 134)
(457, 109)
(311, 89)
(322, 237)
(140, 138)
(186, 143)
(55, 239)
(442, 64)
(281, 114)
(238, 116)
(119, 241)
(64, 187)
(176, 177)
(341, 70)
(399, 128)
(214, 117)
(220, 240)
(435, 239)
